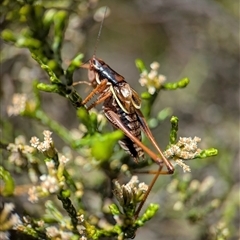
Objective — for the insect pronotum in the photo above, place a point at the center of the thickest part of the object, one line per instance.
(121, 106)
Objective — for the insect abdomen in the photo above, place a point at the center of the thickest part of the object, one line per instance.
(131, 122)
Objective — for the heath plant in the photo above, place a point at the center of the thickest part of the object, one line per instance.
(64, 182)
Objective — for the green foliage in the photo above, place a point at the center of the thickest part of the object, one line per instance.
(8, 182)
(94, 148)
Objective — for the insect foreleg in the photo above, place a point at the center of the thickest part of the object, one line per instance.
(99, 89)
(101, 98)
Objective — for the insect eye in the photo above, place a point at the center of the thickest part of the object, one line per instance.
(94, 62)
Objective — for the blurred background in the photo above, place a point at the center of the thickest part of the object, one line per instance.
(189, 38)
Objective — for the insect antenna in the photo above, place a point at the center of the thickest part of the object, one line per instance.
(98, 15)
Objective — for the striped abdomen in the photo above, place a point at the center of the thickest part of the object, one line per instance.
(132, 123)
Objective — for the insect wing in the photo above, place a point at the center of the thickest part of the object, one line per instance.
(136, 100)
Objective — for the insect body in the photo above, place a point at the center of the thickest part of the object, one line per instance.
(130, 120)
(121, 99)
(121, 106)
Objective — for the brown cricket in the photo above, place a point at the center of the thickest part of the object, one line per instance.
(121, 106)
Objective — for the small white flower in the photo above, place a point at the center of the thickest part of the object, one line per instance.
(81, 230)
(47, 136)
(49, 183)
(184, 166)
(151, 90)
(63, 159)
(20, 140)
(50, 164)
(34, 142)
(178, 206)
(66, 235)
(129, 193)
(152, 80)
(83, 238)
(43, 146)
(152, 74)
(81, 218)
(162, 78)
(206, 184)
(143, 82)
(154, 65)
(52, 232)
(32, 195)
(18, 104)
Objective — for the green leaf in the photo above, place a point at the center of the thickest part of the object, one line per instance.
(207, 153)
(102, 145)
(8, 181)
(164, 113)
(48, 87)
(174, 130)
(114, 209)
(8, 35)
(149, 213)
(87, 119)
(47, 69)
(75, 63)
(146, 96)
(140, 65)
(175, 85)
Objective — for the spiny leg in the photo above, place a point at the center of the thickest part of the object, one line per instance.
(148, 132)
(115, 120)
(101, 98)
(148, 192)
(100, 88)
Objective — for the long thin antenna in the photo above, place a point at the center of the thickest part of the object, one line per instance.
(100, 29)
(99, 16)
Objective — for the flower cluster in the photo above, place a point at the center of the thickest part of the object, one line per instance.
(18, 104)
(152, 80)
(184, 149)
(55, 233)
(130, 193)
(221, 230)
(18, 150)
(49, 184)
(8, 220)
(46, 145)
(62, 228)
(189, 192)
(54, 180)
